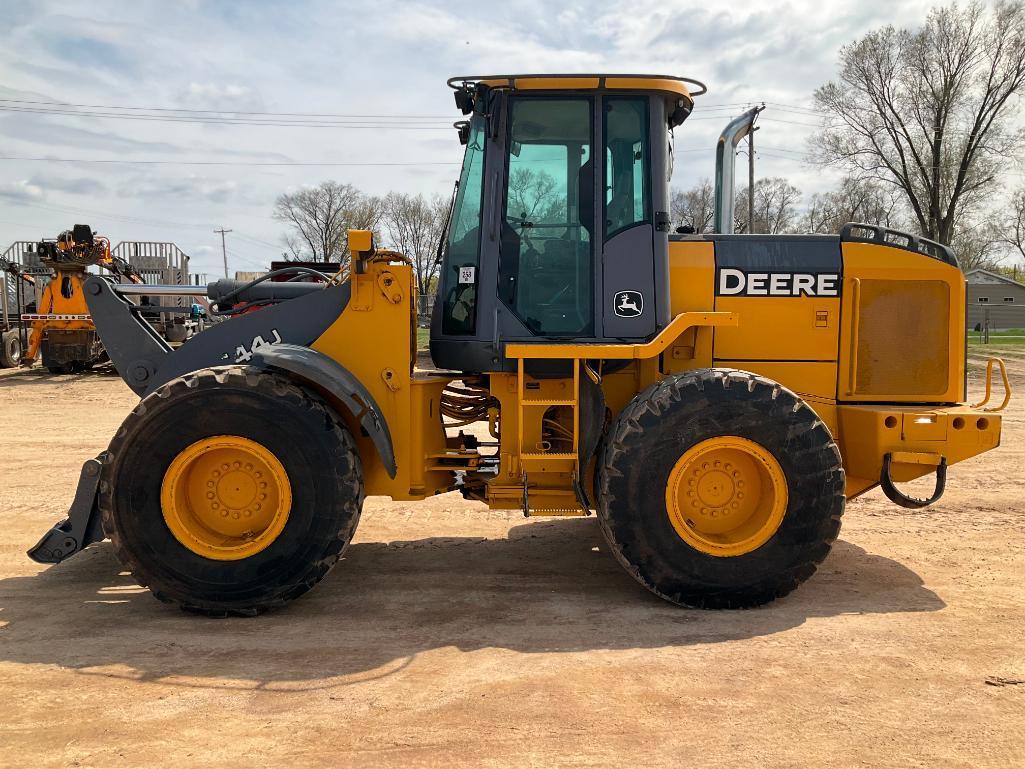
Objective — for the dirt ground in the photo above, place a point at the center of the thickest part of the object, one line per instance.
(451, 636)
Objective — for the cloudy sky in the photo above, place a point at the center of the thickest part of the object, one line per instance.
(365, 64)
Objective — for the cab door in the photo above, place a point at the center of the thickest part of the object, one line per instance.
(546, 254)
(628, 302)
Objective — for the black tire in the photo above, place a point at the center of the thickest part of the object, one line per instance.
(10, 349)
(302, 432)
(62, 368)
(650, 436)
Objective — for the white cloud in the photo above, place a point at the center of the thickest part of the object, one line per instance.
(358, 57)
(21, 192)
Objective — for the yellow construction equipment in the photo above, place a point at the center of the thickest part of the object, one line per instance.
(62, 329)
(715, 398)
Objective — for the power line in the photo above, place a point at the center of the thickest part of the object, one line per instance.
(223, 111)
(258, 241)
(408, 125)
(269, 164)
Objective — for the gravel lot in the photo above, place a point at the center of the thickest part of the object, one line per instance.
(452, 636)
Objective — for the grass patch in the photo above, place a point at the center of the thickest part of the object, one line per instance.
(975, 343)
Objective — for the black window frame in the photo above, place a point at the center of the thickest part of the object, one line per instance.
(592, 103)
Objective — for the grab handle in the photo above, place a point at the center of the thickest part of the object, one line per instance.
(989, 386)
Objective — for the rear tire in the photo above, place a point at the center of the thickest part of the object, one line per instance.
(640, 483)
(305, 440)
(10, 349)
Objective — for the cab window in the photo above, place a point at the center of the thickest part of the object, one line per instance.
(463, 250)
(545, 270)
(626, 164)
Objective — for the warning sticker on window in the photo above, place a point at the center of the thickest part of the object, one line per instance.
(466, 274)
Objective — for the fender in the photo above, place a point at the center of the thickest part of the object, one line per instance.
(333, 378)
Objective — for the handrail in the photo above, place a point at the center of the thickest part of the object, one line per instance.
(989, 386)
(457, 82)
(658, 345)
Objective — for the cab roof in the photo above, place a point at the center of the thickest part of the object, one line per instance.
(679, 86)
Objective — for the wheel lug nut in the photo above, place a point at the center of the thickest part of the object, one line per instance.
(261, 496)
(224, 466)
(249, 466)
(209, 495)
(235, 515)
(248, 513)
(236, 465)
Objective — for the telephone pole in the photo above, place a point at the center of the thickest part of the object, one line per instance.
(751, 173)
(224, 248)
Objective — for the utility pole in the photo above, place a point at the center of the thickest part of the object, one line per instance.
(751, 173)
(224, 249)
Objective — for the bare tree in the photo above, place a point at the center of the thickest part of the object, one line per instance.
(694, 207)
(534, 196)
(412, 225)
(855, 200)
(775, 207)
(1011, 224)
(320, 216)
(929, 110)
(979, 244)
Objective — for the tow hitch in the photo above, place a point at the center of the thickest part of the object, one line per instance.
(899, 498)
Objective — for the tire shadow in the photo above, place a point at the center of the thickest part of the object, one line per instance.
(551, 586)
(38, 375)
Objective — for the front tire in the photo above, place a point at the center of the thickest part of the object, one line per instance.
(720, 489)
(231, 491)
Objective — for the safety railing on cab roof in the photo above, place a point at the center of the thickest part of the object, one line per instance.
(855, 232)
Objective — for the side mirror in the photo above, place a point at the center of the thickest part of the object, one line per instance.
(464, 99)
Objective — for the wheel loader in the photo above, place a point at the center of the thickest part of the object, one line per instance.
(62, 331)
(714, 398)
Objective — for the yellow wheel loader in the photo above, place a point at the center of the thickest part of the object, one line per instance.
(62, 329)
(714, 398)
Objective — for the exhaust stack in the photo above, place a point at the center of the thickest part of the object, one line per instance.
(725, 168)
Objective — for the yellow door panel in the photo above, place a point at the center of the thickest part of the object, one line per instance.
(903, 340)
(779, 328)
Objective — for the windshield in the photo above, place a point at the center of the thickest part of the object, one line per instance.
(462, 255)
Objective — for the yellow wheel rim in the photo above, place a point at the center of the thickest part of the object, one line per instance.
(226, 497)
(726, 496)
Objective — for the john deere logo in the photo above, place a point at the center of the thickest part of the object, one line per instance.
(629, 304)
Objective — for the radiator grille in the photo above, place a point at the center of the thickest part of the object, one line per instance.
(903, 328)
